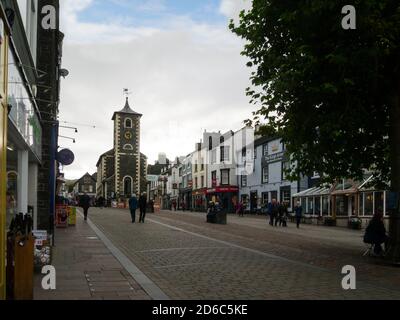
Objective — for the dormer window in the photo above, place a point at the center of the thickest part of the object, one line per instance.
(128, 123)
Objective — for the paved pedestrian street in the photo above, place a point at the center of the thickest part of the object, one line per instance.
(87, 270)
(177, 255)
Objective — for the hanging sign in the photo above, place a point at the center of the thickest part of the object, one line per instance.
(66, 157)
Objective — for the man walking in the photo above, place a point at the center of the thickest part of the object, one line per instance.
(273, 211)
(85, 204)
(142, 207)
(298, 213)
(133, 204)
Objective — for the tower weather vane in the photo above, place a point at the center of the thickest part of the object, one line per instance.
(127, 92)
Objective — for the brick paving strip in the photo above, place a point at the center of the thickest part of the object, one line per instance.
(89, 268)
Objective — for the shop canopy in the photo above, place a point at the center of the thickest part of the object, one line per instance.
(313, 192)
(346, 186)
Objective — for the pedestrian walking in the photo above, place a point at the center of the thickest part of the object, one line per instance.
(273, 211)
(133, 204)
(283, 215)
(375, 234)
(151, 203)
(174, 204)
(241, 212)
(142, 207)
(298, 210)
(85, 205)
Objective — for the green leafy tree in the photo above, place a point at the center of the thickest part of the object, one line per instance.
(332, 94)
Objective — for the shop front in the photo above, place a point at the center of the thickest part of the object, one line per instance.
(24, 138)
(227, 197)
(185, 199)
(344, 201)
(200, 200)
(4, 42)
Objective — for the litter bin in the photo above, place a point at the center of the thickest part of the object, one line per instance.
(216, 216)
(221, 217)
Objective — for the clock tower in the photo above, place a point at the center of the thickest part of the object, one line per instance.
(127, 151)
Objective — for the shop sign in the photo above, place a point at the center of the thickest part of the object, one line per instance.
(274, 157)
(275, 147)
(66, 157)
(222, 190)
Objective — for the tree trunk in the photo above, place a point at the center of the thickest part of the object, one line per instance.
(394, 225)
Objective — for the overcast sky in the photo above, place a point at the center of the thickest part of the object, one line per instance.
(178, 58)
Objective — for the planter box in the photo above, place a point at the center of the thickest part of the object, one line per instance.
(355, 225)
(330, 222)
(217, 218)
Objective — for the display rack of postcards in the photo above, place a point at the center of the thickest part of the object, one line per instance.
(43, 252)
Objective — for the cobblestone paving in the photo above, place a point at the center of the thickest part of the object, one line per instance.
(246, 259)
(86, 270)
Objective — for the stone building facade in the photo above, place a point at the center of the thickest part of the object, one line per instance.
(121, 170)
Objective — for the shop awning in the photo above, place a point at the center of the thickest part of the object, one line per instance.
(313, 192)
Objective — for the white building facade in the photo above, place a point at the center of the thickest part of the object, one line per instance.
(268, 180)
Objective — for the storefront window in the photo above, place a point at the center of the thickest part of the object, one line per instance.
(23, 114)
(310, 205)
(12, 195)
(361, 204)
(325, 205)
(369, 204)
(378, 198)
(245, 199)
(285, 195)
(317, 202)
(341, 206)
(264, 197)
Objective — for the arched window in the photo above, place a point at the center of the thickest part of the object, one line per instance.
(128, 186)
(210, 143)
(128, 147)
(128, 123)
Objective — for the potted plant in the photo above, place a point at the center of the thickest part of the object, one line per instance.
(330, 221)
(355, 223)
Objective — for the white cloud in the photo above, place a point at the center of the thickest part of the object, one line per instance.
(185, 77)
(232, 8)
